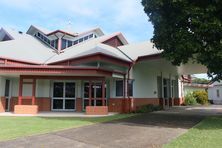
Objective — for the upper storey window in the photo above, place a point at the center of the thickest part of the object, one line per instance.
(51, 43)
(65, 43)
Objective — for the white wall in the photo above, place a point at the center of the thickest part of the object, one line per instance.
(145, 76)
(212, 93)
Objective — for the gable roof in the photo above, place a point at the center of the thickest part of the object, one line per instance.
(89, 47)
(26, 48)
(134, 51)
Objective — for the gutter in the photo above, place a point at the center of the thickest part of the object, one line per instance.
(128, 78)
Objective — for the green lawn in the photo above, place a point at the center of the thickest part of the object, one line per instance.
(206, 134)
(14, 127)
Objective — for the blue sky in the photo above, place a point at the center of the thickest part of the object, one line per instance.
(126, 16)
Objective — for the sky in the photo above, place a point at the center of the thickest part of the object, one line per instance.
(126, 16)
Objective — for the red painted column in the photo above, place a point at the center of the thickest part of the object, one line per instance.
(90, 93)
(20, 90)
(33, 91)
(103, 92)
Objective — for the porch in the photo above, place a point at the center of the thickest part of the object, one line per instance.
(88, 95)
(67, 93)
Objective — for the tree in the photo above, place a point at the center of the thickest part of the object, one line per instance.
(188, 30)
(200, 81)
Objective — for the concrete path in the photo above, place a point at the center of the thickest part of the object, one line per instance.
(147, 130)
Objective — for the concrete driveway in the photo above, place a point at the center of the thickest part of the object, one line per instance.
(146, 130)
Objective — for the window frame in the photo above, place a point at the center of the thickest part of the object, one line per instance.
(119, 96)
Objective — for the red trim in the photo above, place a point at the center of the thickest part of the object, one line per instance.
(93, 57)
(62, 77)
(103, 92)
(90, 92)
(16, 61)
(114, 42)
(66, 33)
(20, 91)
(33, 91)
(149, 57)
(56, 70)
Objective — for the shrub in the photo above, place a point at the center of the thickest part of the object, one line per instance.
(201, 96)
(190, 99)
(148, 108)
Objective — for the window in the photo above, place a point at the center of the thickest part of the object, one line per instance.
(75, 42)
(80, 40)
(130, 87)
(64, 43)
(165, 90)
(218, 93)
(69, 43)
(58, 89)
(7, 84)
(52, 43)
(86, 38)
(119, 88)
(56, 44)
(91, 35)
(70, 90)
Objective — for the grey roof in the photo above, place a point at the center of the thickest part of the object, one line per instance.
(27, 48)
(134, 51)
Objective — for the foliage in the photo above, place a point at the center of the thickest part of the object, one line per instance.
(206, 134)
(189, 99)
(200, 81)
(148, 108)
(201, 96)
(188, 30)
(14, 127)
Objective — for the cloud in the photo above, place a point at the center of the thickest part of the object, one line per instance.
(113, 15)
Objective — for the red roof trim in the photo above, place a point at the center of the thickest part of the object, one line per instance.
(66, 33)
(56, 69)
(19, 61)
(95, 57)
(149, 57)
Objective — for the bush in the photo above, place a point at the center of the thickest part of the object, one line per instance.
(148, 108)
(201, 96)
(190, 99)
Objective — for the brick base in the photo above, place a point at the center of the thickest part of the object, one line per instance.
(2, 104)
(44, 104)
(126, 105)
(96, 110)
(178, 101)
(79, 104)
(26, 109)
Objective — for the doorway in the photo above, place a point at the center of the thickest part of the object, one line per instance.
(96, 93)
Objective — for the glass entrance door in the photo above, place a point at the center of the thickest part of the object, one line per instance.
(64, 98)
(96, 93)
(7, 95)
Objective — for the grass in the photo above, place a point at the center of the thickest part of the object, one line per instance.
(206, 134)
(14, 127)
